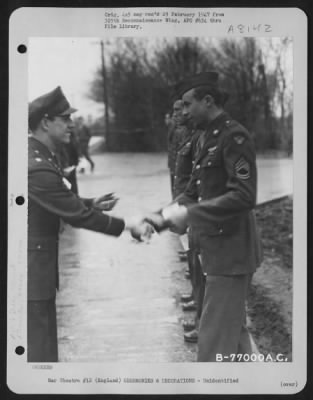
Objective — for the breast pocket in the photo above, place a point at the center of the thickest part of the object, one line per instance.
(184, 160)
(212, 160)
(212, 176)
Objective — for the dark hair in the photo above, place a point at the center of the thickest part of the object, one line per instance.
(33, 123)
(219, 97)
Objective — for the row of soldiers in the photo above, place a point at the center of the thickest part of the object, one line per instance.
(182, 141)
(206, 166)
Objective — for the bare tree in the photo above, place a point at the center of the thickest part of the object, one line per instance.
(140, 74)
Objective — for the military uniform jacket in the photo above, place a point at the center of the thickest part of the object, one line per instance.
(184, 162)
(177, 135)
(49, 201)
(220, 198)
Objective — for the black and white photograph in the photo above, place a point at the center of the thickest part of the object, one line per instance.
(162, 247)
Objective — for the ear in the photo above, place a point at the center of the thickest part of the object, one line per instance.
(44, 124)
(208, 100)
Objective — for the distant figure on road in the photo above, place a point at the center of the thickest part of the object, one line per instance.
(69, 159)
(83, 134)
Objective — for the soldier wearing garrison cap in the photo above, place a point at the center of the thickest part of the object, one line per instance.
(179, 131)
(191, 302)
(50, 200)
(218, 204)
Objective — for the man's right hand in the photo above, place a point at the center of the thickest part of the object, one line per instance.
(139, 228)
(157, 221)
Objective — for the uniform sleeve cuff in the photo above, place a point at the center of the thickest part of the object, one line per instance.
(115, 227)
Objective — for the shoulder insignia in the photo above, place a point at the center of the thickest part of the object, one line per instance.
(242, 169)
(239, 139)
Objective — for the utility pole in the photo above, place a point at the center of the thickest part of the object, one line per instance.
(105, 97)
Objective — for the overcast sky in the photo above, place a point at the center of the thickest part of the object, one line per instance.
(71, 63)
(65, 62)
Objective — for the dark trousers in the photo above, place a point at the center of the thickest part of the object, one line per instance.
(85, 153)
(172, 179)
(197, 277)
(42, 342)
(197, 280)
(222, 327)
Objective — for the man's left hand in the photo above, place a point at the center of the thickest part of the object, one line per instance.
(105, 203)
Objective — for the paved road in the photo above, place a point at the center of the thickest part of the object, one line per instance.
(119, 300)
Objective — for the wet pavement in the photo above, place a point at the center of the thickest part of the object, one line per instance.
(119, 299)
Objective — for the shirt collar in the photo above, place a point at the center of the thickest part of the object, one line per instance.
(218, 121)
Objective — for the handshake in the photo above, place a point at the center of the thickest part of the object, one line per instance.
(173, 217)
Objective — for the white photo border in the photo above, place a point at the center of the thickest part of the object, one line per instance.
(23, 377)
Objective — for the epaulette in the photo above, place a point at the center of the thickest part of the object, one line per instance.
(36, 161)
(234, 126)
(236, 131)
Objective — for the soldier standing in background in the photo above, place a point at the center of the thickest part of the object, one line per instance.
(83, 134)
(69, 159)
(192, 302)
(177, 133)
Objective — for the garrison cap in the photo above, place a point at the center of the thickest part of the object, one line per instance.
(175, 92)
(207, 79)
(49, 105)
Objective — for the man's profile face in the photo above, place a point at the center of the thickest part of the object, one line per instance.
(194, 109)
(60, 128)
(178, 112)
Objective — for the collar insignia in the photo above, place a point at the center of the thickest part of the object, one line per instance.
(211, 150)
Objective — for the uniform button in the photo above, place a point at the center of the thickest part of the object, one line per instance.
(215, 132)
(197, 166)
(49, 159)
(36, 151)
(227, 122)
(199, 199)
(38, 246)
(192, 162)
(221, 230)
(209, 163)
(198, 182)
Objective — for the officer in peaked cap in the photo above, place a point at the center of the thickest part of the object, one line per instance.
(218, 204)
(50, 200)
(50, 105)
